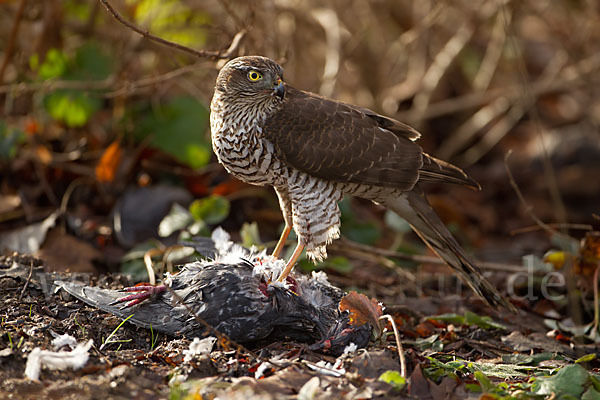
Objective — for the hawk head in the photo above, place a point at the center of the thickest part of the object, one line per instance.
(254, 78)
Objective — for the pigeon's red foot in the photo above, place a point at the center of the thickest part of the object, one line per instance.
(142, 292)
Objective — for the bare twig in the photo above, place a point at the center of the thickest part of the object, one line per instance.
(557, 225)
(529, 98)
(106, 84)
(10, 46)
(572, 77)
(493, 53)
(398, 344)
(26, 282)
(528, 208)
(219, 54)
(345, 245)
(442, 62)
(470, 127)
(148, 263)
(328, 20)
(520, 106)
(596, 305)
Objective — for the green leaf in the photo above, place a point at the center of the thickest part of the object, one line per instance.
(473, 387)
(172, 20)
(90, 63)
(393, 378)
(178, 128)
(178, 218)
(432, 342)
(504, 371)
(358, 231)
(54, 65)
(484, 381)
(78, 9)
(250, 235)
(10, 139)
(483, 322)
(591, 394)
(568, 381)
(132, 263)
(451, 318)
(74, 108)
(595, 379)
(586, 358)
(525, 359)
(339, 264)
(470, 318)
(212, 209)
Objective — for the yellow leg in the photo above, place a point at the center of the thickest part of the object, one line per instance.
(282, 239)
(291, 262)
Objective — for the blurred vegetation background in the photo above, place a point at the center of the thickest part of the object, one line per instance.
(105, 146)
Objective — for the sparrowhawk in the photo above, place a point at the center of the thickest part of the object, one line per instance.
(314, 150)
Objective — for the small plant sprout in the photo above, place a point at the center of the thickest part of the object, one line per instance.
(80, 326)
(110, 340)
(154, 338)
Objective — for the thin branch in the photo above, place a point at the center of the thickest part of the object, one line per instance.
(528, 208)
(219, 54)
(557, 225)
(26, 282)
(493, 53)
(529, 98)
(440, 65)
(106, 84)
(347, 245)
(572, 77)
(8, 51)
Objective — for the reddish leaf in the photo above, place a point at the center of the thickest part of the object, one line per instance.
(32, 127)
(109, 162)
(362, 309)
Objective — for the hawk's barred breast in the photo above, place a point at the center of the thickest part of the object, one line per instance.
(313, 150)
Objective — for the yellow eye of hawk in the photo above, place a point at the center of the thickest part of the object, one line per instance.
(254, 76)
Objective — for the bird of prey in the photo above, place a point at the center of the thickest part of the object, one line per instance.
(313, 151)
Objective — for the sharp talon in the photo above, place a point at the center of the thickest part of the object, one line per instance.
(142, 293)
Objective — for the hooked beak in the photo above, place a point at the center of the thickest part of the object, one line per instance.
(278, 88)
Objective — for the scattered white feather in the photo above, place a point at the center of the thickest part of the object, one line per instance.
(199, 347)
(320, 277)
(57, 360)
(309, 390)
(221, 239)
(351, 348)
(64, 340)
(278, 284)
(261, 370)
(326, 368)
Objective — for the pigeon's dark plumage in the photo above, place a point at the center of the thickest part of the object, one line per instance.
(235, 299)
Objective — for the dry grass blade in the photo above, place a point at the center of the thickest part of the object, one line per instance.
(398, 344)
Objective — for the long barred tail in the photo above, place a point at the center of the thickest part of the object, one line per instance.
(415, 209)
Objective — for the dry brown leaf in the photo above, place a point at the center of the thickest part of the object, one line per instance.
(362, 309)
(109, 162)
(43, 154)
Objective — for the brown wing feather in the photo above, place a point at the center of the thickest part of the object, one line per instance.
(438, 171)
(343, 143)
